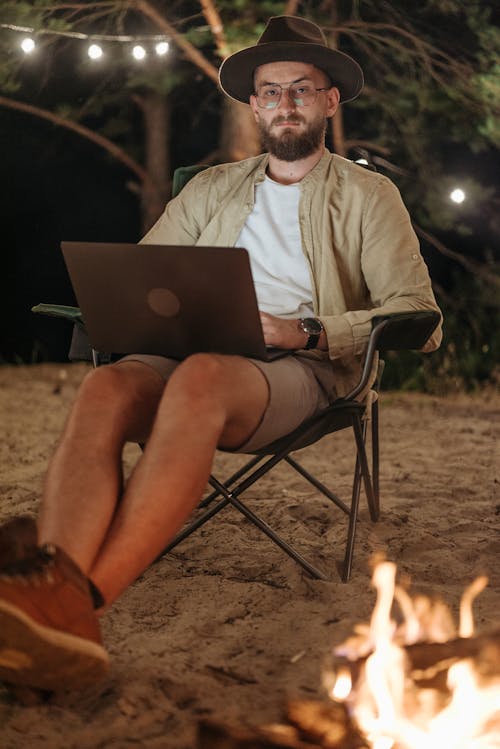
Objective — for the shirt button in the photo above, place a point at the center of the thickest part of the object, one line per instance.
(414, 256)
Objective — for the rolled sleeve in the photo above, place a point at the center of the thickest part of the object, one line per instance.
(395, 274)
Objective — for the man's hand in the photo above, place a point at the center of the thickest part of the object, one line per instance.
(282, 333)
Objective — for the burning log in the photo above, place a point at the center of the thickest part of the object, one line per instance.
(428, 662)
(327, 724)
(312, 724)
(212, 735)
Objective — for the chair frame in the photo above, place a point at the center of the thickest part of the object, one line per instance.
(401, 330)
(397, 331)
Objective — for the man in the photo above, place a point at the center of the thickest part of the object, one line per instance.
(331, 245)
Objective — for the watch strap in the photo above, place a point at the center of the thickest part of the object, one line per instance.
(312, 341)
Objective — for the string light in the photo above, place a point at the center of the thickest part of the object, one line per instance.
(95, 52)
(457, 195)
(138, 52)
(28, 45)
(162, 48)
(157, 42)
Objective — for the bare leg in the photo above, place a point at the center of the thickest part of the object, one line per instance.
(210, 400)
(84, 480)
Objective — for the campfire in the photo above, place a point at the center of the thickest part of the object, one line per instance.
(420, 683)
(410, 679)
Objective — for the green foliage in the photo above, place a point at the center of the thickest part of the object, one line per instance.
(163, 81)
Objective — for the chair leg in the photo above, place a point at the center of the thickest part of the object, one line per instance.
(192, 527)
(317, 484)
(375, 460)
(219, 489)
(229, 481)
(361, 470)
(265, 528)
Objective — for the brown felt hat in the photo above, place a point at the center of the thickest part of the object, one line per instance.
(289, 38)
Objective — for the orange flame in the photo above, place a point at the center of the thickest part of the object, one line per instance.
(387, 705)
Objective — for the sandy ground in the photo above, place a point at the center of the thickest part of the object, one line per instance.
(227, 626)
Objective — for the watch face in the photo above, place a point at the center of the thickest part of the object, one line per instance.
(311, 326)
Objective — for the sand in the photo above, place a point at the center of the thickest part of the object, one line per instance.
(226, 626)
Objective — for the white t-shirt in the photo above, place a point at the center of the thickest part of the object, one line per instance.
(272, 237)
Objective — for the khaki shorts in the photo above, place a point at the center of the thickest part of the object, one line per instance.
(295, 388)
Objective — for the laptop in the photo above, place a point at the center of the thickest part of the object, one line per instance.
(167, 299)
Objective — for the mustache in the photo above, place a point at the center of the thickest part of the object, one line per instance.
(297, 118)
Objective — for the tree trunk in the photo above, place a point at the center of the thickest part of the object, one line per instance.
(155, 193)
(239, 137)
(337, 122)
(337, 132)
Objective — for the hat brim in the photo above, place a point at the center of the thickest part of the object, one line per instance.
(237, 71)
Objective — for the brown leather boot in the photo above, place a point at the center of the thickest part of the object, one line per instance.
(18, 539)
(49, 633)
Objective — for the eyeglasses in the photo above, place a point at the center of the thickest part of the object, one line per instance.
(268, 96)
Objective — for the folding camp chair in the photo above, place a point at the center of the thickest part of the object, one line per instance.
(389, 332)
(409, 330)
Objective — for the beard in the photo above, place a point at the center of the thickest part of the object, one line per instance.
(289, 145)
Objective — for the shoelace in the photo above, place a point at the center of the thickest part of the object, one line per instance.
(32, 569)
(36, 569)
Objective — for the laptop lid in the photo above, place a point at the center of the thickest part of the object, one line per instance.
(166, 299)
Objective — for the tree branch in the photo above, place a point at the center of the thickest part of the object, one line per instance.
(291, 7)
(472, 267)
(145, 7)
(103, 142)
(407, 42)
(214, 20)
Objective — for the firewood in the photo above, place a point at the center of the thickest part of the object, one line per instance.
(314, 724)
(326, 723)
(215, 735)
(428, 662)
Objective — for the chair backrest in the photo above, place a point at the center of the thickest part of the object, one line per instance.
(183, 174)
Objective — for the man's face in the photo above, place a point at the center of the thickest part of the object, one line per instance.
(289, 131)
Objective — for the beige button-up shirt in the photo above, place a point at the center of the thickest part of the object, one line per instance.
(363, 255)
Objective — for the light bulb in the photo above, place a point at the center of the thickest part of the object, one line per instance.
(457, 195)
(27, 45)
(94, 52)
(161, 48)
(139, 52)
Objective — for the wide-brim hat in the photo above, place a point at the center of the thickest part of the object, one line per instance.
(289, 38)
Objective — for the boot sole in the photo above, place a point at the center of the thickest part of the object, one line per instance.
(38, 656)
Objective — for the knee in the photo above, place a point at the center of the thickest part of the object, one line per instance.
(116, 389)
(106, 383)
(199, 377)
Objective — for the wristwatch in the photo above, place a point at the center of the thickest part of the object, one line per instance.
(313, 327)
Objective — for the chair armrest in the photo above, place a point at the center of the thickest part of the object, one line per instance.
(404, 330)
(400, 330)
(62, 311)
